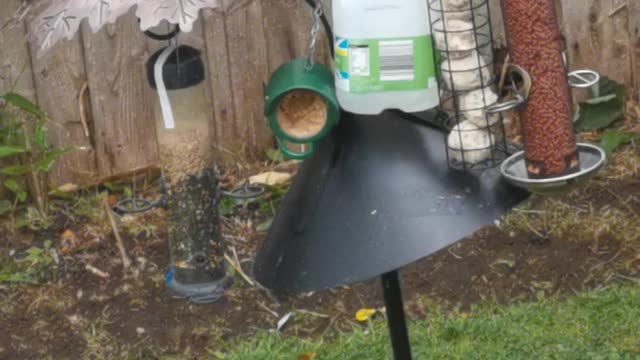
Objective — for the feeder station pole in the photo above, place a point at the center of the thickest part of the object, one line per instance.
(396, 319)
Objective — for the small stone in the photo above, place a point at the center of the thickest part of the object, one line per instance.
(79, 294)
(140, 331)
(74, 319)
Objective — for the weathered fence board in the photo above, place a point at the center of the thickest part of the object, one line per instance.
(124, 122)
(223, 127)
(598, 38)
(633, 11)
(242, 42)
(15, 63)
(246, 50)
(69, 111)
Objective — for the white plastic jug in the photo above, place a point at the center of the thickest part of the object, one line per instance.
(384, 56)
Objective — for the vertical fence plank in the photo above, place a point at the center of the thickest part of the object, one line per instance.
(223, 127)
(121, 99)
(15, 64)
(237, 53)
(287, 24)
(597, 38)
(62, 69)
(247, 54)
(633, 10)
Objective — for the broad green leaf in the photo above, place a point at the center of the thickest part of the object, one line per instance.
(39, 137)
(6, 151)
(17, 170)
(24, 104)
(47, 161)
(13, 185)
(22, 222)
(601, 112)
(275, 155)
(614, 138)
(22, 196)
(5, 207)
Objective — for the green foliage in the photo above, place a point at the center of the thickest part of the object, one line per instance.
(5, 206)
(34, 219)
(226, 207)
(23, 148)
(276, 156)
(599, 113)
(612, 139)
(598, 325)
(35, 266)
(24, 104)
(270, 202)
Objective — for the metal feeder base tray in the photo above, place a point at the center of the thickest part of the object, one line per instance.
(200, 293)
(592, 159)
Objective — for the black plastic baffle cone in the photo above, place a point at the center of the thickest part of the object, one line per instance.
(376, 195)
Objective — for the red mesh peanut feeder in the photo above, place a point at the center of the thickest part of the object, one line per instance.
(535, 45)
(552, 160)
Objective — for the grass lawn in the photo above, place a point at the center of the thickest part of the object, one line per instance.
(603, 324)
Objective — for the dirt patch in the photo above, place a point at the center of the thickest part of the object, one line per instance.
(79, 315)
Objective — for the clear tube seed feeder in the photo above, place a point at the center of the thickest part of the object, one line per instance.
(196, 268)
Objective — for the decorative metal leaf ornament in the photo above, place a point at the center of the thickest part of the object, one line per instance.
(61, 19)
(181, 12)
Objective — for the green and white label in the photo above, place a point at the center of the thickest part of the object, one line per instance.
(369, 66)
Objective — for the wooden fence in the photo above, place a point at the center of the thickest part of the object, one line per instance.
(100, 78)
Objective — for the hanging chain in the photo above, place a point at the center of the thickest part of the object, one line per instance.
(317, 14)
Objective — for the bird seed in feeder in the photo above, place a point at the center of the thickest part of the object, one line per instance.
(302, 114)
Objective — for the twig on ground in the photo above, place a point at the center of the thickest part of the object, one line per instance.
(312, 313)
(97, 272)
(629, 278)
(454, 254)
(534, 231)
(126, 262)
(622, 201)
(267, 309)
(237, 268)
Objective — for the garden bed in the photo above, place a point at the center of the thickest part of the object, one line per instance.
(548, 248)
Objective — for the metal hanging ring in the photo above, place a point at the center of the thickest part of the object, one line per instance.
(134, 206)
(583, 79)
(245, 193)
(521, 94)
(506, 105)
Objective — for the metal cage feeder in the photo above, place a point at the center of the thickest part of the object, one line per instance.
(463, 36)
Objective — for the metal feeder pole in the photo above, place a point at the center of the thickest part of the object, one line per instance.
(395, 316)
